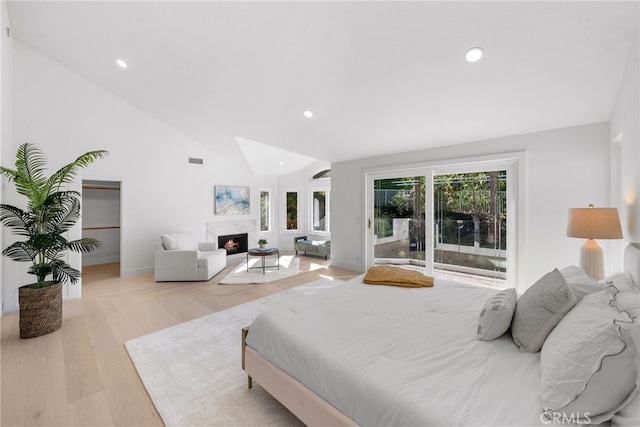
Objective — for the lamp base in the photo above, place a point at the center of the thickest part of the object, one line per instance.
(592, 259)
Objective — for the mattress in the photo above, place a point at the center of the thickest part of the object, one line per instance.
(402, 356)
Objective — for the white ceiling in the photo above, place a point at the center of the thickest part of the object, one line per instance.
(380, 77)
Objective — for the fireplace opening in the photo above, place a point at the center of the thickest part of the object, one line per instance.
(234, 243)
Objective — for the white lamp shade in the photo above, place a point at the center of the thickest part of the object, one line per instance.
(594, 223)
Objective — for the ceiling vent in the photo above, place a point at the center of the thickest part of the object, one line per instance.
(196, 161)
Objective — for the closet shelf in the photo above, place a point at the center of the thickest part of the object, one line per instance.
(101, 228)
(97, 187)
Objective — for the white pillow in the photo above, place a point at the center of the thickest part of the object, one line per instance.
(540, 309)
(581, 283)
(587, 363)
(622, 281)
(629, 416)
(629, 301)
(179, 241)
(495, 317)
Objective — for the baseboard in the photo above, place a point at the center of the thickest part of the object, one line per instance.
(345, 265)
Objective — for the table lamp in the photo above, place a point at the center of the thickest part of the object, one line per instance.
(593, 223)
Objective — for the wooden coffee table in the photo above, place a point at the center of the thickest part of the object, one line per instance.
(263, 253)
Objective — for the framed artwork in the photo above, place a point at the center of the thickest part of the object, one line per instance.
(231, 200)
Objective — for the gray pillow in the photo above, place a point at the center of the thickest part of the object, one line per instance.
(540, 309)
(496, 315)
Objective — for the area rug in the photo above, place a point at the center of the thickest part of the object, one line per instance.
(289, 265)
(192, 371)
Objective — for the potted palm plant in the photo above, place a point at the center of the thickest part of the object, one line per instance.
(51, 212)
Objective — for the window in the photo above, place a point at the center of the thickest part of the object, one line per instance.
(292, 210)
(320, 211)
(323, 174)
(265, 209)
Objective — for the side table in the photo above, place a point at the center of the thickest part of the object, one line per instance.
(263, 253)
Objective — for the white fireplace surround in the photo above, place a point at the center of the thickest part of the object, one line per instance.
(223, 228)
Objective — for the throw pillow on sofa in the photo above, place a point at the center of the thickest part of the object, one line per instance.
(179, 241)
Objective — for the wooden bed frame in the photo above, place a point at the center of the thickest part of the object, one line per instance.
(310, 408)
(313, 410)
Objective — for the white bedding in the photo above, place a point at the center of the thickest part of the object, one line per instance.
(421, 365)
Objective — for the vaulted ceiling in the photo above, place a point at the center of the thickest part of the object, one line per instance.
(379, 77)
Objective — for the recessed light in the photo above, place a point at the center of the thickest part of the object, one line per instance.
(474, 54)
(281, 163)
(308, 114)
(121, 63)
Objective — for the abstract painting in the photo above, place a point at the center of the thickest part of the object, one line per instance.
(231, 200)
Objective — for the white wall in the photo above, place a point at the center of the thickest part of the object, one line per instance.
(66, 115)
(565, 168)
(6, 90)
(625, 137)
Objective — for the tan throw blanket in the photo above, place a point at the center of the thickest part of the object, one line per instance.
(396, 276)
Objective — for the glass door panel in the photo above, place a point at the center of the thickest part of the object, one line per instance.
(470, 226)
(399, 221)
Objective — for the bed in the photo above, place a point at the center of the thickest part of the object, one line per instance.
(385, 355)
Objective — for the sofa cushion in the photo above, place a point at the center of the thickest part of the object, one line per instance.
(179, 241)
(205, 261)
(208, 258)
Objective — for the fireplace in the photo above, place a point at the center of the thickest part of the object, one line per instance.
(234, 243)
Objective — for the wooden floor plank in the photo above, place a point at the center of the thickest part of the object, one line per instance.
(129, 403)
(90, 411)
(18, 357)
(81, 371)
(47, 401)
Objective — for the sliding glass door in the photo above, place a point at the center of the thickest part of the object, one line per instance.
(458, 222)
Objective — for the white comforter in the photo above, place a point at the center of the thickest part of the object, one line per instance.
(389, 356)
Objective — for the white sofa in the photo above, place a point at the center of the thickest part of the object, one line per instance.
(181, 258)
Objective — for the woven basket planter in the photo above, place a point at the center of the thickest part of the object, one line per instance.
(40, 310)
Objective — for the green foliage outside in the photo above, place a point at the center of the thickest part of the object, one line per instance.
(264, 211)
(383, 227)
(292, 210)
(469, 207)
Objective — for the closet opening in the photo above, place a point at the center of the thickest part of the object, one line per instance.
(101, 209)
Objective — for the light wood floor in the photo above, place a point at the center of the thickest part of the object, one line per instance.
(81, 375)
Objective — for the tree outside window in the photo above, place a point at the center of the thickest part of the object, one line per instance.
(292, 210)
(265, 208)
